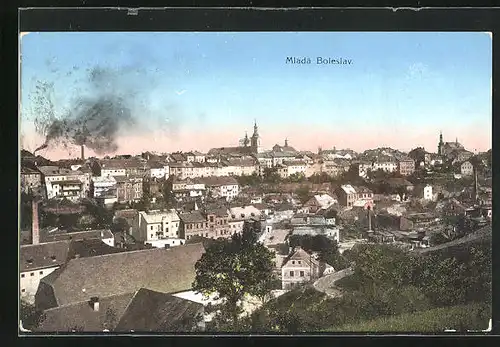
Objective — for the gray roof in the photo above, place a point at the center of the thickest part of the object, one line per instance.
(159, 312)
(192, 217)
(81, 315)
(166, 270)
(216, 180)
(141, 311)
(78, 235)
(43, 255)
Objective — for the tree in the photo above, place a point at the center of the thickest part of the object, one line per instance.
(233, 268)
(120, 225)
(30, 316)
(304, 193)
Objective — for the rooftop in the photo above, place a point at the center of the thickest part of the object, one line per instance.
(165, 270)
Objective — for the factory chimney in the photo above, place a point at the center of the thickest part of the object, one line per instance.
(82, 149)
(476, 187)
(35, 227)
(369, 219)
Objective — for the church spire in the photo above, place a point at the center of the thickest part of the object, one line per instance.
(286, 142)
(255, 128)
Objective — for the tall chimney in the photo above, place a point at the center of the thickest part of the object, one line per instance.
(369, 219)
(35, 228)
(82, 148)
(476, 187)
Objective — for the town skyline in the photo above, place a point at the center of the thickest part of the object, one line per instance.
(196, 91)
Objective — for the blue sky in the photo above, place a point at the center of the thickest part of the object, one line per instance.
(433, 81)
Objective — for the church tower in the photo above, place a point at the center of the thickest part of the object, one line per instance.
(255, 141)
(441, 144)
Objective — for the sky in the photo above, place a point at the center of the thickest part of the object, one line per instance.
(201, 90)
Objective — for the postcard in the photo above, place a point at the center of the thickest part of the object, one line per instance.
(255, 182)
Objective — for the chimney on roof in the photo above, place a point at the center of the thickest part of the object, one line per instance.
(94, 303)
(35, 228)
(82, 150)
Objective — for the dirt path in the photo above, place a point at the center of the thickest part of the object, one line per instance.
(326, 284)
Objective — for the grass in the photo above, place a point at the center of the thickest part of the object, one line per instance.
(461, 318)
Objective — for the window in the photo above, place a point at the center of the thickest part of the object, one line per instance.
(300, 262)
(32, 274)
(293, 262)
(151, 227)
(302, 274)
(151, 235)
(22, 275)
(41, 272)
(23, 290)
(291, 273)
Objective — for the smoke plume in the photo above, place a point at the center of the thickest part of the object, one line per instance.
(101, 110)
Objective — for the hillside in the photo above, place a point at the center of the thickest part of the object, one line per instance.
(460, 318)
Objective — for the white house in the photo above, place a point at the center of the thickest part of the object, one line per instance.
(300, 268)
(104, 189)
(61, 182)
(159, 228)
(37, 261)
(238, 216)
(385, 165)
(467, 169)
(226, 187)
(157, 170)
(428, 192)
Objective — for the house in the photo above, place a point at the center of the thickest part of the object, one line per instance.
(189, 189)
(62, 182)
(427, 193)
(319, 201)
(417, 221)
(159, 228)
(351, 196)
(406, 166)
(466, 168)
(38, 260)
(226, 187)
(129, 188)
(31, 181)
(158, 269)
(194, 223)
(385, 163)
(299, 268)
(141, 311)
(362, 168)
(195, 156)
(218, 221)
(238, 216)
(293, 167)
(346, 195)
(104, 190)
(158, 170)
(120, 167)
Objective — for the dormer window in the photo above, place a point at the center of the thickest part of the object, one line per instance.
(242, 215)
(30, 261)
(53, 257)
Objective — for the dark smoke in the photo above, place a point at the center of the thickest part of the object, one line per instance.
(93, 120)
(94, 123)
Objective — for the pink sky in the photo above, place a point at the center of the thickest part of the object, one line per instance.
(359, 139)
